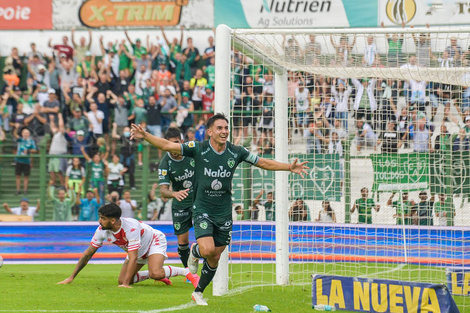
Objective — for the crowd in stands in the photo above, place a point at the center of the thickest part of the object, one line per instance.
(86, 103)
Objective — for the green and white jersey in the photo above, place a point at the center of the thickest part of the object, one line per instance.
(270, 209)
(75, 173)
(406, 205)
(364, 210)
(180, 174)
(97, 171)
(214, 174)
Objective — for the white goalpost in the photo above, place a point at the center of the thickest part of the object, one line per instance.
(383, 118)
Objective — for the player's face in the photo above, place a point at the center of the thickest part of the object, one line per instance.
(219, 132)
(106, 223)
(175, 140)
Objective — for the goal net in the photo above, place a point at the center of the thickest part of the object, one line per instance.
(383, 118)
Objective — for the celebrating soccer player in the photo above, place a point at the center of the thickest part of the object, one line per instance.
(142, 243)
(215, 162)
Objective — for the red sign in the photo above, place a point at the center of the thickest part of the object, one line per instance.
(25, 14)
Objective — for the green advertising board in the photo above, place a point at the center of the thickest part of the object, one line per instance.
(395, 172)
(323, 181)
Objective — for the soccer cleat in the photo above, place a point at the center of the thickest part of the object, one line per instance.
(193, 278)
(197, 297)
(188, 281)
(193, 262)
(166, 281)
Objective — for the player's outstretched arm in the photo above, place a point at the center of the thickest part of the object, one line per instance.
(138, 132)
(294, 167)
(82, 262)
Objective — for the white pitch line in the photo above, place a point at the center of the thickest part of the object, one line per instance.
(175, 308)
(397, 268)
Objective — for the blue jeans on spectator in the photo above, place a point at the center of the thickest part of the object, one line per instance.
(129, 162)
(155, 130)
(165, 123)
(343, 117)
(100, 186)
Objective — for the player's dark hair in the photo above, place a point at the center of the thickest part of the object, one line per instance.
(218, 116)
(173, 132)
(111, 210)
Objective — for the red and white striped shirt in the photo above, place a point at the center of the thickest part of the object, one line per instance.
(133, 235)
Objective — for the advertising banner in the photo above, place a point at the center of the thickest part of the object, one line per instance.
(395, 172)
(193, 14)
(295, 13)
(458, 280)
(422, 12)
(99, 13)
(25, 14)
(381, 295)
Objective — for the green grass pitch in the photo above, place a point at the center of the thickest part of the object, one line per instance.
(33, 288)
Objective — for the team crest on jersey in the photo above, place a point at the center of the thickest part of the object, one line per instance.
(203, 225)
(177, 226)
(164, 172)
(192, 163)
(191, 144)
(231, 162)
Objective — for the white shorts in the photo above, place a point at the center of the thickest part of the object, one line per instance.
(158, 246)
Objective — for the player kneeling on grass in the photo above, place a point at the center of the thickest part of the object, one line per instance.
(215, 162)
(142, 243)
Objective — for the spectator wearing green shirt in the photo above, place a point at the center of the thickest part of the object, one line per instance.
(395, 44)
(403, 209)
(75, 175)
(210, 72)
(364, 206)
(124, 60)
(182, 67)
(62, 205)
(139, 113)
(423, 215)
(98, 169)
(445, 212)
(25, 147)
(137, 48)
(175, 46)
(78, 122)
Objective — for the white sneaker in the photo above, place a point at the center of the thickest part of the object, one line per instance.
(193, 262)
(197, 297)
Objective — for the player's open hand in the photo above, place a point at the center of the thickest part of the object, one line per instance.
(137, 132)
(299, 168)
(65, 281)
(124, 286)
(180, 195)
